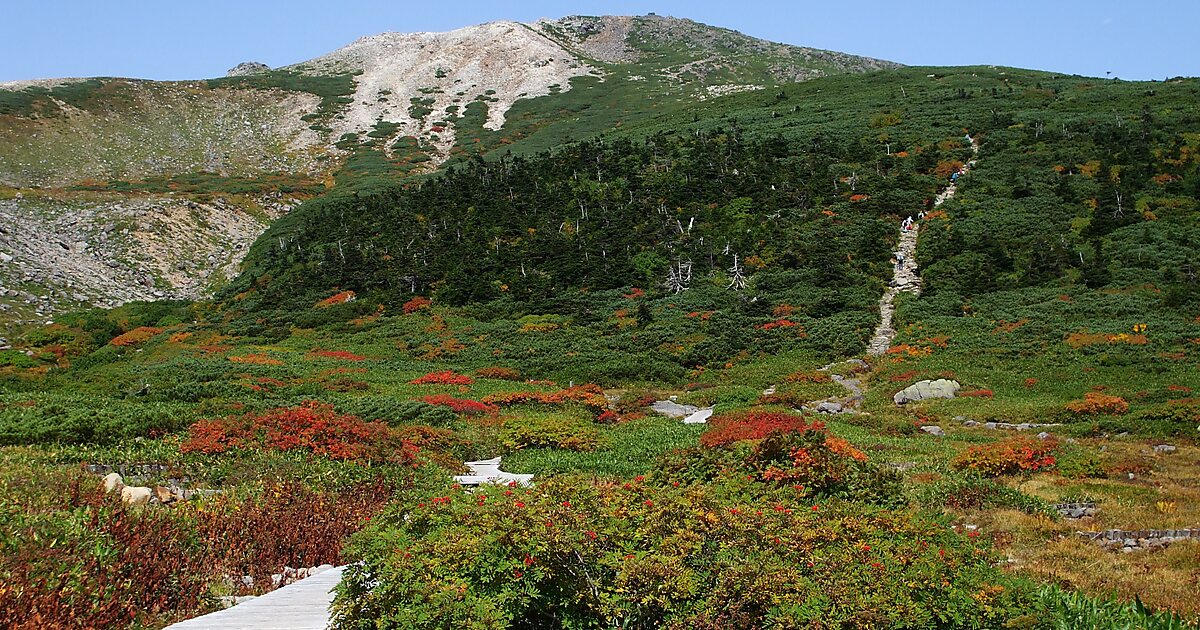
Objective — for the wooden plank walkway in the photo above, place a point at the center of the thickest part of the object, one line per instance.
(303, 605)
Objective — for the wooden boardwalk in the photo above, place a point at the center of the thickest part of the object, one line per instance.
(303, 605)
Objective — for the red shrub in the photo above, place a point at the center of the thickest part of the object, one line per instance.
(313, 427)
(464, 406)
(445, 377)
(590, 396)
(780, 323)
(161, 565)
(978, 393)
(728, 428)
(416, 304)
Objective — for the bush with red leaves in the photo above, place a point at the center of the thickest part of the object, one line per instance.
(127, 567)
(464, 406)
(313, 427)
(416, 304)
(590, 396)
(445, 377)
(727, 428)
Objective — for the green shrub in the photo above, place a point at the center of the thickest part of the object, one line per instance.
(972, 492)
(396, 411)
(577, 553)
(552, 430)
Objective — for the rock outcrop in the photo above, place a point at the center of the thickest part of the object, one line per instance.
(927, 390)
(247, 68)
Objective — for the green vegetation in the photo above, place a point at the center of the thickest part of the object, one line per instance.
(531, 304)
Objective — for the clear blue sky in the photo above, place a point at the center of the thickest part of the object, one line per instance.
(189, 39)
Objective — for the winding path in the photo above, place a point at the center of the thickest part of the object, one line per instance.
(905, 277)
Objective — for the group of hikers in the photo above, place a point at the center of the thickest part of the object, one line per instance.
(909, 223)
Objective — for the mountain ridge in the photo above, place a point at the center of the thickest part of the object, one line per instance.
(386, 106)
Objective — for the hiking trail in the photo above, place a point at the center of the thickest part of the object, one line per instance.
(302, 605)
(905, 276)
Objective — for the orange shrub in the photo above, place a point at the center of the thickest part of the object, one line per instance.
(807, 377)
(1097, 403)
(498, 373)
(590, 396)
(136, 336)
(416, 304)
(256, 359)
(1014, 455)
(337, 298)
(978, 393)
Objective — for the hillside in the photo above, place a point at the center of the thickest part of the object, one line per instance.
(886, 347)
(386, 106)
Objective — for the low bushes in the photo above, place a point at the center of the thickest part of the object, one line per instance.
(445, 377)
(89, 561)
(575, 553)
(728, 428)
(551, 431)
(589, 396)
(396, 411)
(1095, 403)
(977, 493)
(1014, 455)
(462, 406)
(312, 427)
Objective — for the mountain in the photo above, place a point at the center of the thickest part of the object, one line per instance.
(128, 189)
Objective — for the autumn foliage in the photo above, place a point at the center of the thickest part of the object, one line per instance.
(337, 354)
(312, 427)
(445, 377)
(728, 428)
(416, 304)
(463, 406)
(1014, 455)
(590, 396)
(498, 373)
(337, 298)
(136, 336)
(1097, 403)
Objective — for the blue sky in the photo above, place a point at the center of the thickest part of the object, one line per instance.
(181, 39)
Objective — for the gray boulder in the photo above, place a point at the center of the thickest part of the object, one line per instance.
(933, 429)
(829, 406)
(926, 390)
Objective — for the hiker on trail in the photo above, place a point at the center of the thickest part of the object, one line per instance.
(899, 259)
(921, 215)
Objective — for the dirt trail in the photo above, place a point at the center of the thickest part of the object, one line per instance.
(905, 277)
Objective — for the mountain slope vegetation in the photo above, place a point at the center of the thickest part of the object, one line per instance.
(624, 245)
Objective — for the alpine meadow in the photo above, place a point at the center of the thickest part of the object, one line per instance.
(600, 322)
